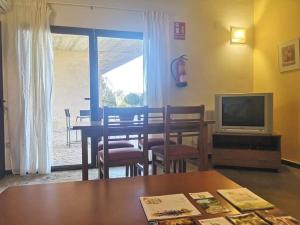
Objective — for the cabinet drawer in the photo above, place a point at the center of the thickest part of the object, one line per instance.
(246, 158)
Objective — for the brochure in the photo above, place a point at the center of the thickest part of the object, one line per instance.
(276, 217)
(201, 195)
(181, 221)
(244, 199)
(215, 221)
(212, 206)
(247, 219)
(168, 207)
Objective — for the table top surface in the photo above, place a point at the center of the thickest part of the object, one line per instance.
(106, 202)
(94, 124)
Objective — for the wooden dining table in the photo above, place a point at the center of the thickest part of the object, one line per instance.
(104, 202)
(94, 130)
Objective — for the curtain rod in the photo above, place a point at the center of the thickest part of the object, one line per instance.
(95, 6)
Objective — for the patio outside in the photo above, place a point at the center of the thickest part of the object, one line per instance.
(120, 84)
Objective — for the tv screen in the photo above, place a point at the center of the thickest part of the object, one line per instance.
(243, 111)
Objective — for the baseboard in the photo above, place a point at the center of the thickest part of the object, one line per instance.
(291, 163)
(56, 169)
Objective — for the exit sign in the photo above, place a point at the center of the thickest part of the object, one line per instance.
(179, 31)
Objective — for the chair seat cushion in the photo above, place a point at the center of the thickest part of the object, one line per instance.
(116, 144)
(154, 142)
(120, 154)
(177, 151)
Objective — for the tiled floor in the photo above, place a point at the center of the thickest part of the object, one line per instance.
(62, 153)
(282, 189)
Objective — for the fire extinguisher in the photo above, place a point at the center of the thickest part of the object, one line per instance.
(178, 69)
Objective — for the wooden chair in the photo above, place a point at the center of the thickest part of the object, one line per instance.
(115, 126)
(177, 125)
(155, 115)
(114, 144)
(69, 127)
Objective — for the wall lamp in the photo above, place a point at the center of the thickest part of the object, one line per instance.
(238, 35)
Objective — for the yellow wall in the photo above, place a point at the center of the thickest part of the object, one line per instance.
(277, 21)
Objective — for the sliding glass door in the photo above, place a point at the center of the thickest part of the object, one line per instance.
(72, 93)
(93, 68)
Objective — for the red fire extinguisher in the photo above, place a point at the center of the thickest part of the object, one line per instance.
(178, 69)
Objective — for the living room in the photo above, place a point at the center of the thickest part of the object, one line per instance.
(214, 65)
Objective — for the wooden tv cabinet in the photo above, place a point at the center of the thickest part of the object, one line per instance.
(247, 150)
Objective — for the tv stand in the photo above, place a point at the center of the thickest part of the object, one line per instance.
(250, 150)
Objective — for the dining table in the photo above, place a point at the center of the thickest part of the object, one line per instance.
(94, 130)
(105, 202)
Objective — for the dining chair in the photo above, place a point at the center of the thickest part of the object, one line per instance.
(155, 115)
(114, 144)
(83, 114)
(123, 124)
(181, 123)
(69, 127)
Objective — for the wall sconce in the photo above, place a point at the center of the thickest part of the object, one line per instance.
(238, 35)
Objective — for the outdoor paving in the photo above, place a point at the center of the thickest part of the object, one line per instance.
(62, 153)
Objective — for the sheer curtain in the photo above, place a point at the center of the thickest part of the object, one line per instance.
(156, 58)
(4, 6)
(29, 74)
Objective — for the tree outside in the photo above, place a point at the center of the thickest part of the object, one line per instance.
(117, 98)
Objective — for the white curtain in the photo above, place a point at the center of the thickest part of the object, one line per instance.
(4, 6)
(29, 74)
(156, 58)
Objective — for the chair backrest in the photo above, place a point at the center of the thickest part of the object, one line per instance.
(68, 118)
(85, 112)
(67, 112)
(156, 114)
(129, 122)
(181, 122)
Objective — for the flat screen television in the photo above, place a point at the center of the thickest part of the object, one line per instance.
(244, 112)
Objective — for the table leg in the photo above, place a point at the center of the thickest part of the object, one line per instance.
(84, 148)
(205, 147)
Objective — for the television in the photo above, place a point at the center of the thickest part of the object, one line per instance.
(245, 113)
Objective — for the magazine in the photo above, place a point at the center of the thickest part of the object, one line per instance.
(153, 223)
(244, 199)
(181, 221)
(212, 206)
(276, 217)
(201, 195)
(286, 220)
(247, 219)
(215, 221)
(168, 207)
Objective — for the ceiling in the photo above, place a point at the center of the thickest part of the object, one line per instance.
(112, 52)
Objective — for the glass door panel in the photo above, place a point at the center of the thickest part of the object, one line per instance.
(71, 96)
(120, 70)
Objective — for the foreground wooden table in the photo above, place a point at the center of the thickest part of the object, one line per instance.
(107, 202)
(95, 130)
